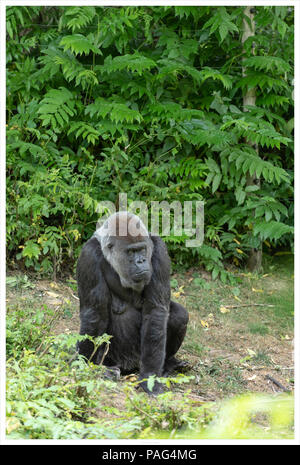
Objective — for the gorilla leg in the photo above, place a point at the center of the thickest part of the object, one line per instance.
(177, 324)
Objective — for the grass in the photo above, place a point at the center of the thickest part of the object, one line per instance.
(258, 328)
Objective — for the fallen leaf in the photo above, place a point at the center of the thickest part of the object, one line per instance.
(52, 294)
(54, 285)
(257, 290)
(251, 352)
(251, 378)
(224, 310)
(286, 337)
(204, 324)
(179, 293)
(132, 378)
(11, 424)
(211, 318)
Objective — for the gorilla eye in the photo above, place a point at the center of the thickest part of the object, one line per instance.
(110, 246)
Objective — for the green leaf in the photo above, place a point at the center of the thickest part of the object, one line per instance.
(79, 44)
(272, 230)
(216, 182)
(31, 250)
(135, 63)
(151, 382)
(76, 17)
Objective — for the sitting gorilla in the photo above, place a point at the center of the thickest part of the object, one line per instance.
(123, 276)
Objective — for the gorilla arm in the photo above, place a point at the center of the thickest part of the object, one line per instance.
(94, 298)
(155, 317)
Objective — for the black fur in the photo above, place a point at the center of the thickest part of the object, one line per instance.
(147, 327)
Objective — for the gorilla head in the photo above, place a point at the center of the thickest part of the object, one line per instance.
(126, 245)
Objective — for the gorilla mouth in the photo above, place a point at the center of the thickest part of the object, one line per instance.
(141, 276)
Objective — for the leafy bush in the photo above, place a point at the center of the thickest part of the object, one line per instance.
(148, 101)
(47, 399)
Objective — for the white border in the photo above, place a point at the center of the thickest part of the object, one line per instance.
(297, 217)
(150, 2)
(3, 4)
(2, 217)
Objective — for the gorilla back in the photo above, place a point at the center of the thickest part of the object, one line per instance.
(123, 276)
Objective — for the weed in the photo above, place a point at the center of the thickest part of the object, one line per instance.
(261, 358)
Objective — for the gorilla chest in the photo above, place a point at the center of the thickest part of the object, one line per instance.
(119, 305)
(125, 322)
(125, 318)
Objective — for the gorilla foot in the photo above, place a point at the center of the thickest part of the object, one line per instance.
(175, 365)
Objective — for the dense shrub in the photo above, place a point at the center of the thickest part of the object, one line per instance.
(148, 101)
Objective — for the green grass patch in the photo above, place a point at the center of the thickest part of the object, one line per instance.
(258, 328)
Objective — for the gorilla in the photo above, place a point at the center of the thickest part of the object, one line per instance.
(123, 276)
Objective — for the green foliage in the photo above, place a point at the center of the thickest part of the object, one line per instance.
(56, 108)
(48, 398)
(221, 22)
(79, 44)
(26, 328)
(76, 17)
(148, 101)
(135, 63)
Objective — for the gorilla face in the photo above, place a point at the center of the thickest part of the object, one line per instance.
(129, 254)
(138, 266)
(132, 262)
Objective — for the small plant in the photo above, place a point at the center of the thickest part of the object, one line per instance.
(19, 281)
(26, 327)
(261, 358)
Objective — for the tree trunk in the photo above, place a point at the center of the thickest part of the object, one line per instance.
(255, 255)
